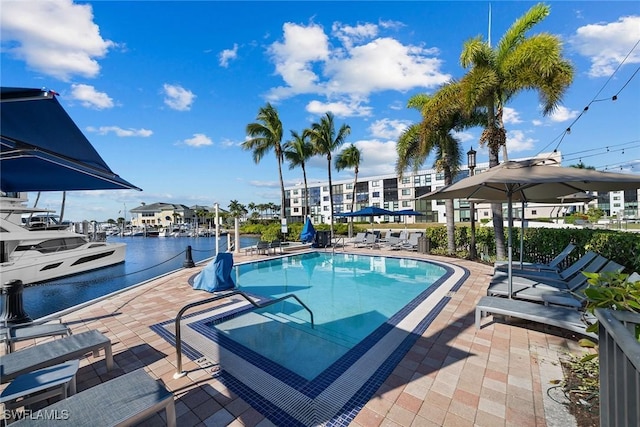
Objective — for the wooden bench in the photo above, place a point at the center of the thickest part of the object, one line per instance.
(54, 352)
(562, 317)
(122, 401)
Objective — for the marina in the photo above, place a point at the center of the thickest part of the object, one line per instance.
(146, 258)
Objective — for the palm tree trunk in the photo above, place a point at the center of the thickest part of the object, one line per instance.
(353, 202)
(305, 210)
(282, 207)
(496, 208)
(330, 195)
(64, 202)
(451, 227)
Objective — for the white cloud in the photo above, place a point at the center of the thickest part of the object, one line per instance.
(562, 114)
(536, 122)
(357, 66)
(349, 35)
(464, 136)
(510, 115)
(378, 157)
(89, 97)
(388, 129)
(198, 140)
(58, 38)
(118, 131)
(178, 98)
(351, 108)
(607, 44)
(518, 141)
(227, 55)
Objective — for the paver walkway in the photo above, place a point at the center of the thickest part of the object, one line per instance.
(454, 375)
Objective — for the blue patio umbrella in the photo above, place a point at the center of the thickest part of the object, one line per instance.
(369, 211)
(42, 149)
(308, 232)
(406, 213)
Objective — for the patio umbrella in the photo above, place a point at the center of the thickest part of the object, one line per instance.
(42, 149)
(406, 213)
(369, 211)
(308, 232)
(531, 180)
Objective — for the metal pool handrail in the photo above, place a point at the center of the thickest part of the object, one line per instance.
(179, 373)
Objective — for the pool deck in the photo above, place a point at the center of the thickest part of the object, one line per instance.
(454, 375)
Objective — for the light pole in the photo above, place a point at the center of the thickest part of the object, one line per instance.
(471, 164)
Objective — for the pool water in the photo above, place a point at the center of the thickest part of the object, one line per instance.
(350, 296)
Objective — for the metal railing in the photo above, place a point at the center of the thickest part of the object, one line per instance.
(335, 243)
(179, 373)
(619, 354)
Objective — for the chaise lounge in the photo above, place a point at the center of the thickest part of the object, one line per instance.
(54, 352)
(122, 401)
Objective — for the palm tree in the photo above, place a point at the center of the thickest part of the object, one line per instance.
(297, 151)
(350, 157)
(266, 135)
(441, 113)
(237, 209)
(325, 140)
(497, 74)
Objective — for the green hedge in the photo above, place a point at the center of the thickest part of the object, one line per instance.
(542, 244)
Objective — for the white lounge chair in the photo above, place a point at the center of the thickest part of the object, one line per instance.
(358, 239)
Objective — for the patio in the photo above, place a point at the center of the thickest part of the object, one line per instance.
(454, 375)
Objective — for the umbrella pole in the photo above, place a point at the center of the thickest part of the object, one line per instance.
(522, 237)
(510, 243)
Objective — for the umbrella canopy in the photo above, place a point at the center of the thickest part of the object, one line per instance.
(369, 211)
(42, 149)
(532, 180)
(406, 213)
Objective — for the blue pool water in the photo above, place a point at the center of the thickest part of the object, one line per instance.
(350, 297)
(146, 258)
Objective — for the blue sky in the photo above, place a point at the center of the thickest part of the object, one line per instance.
(164, 90)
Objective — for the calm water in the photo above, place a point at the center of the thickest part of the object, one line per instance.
(349, 295)
(147, 257)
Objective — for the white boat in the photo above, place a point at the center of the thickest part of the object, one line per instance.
(34, 256)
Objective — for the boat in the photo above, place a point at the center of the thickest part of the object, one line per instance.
(35, 256)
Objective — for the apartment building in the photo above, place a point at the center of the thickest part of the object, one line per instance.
(394, 193)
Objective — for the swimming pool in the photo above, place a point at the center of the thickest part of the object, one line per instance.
(368, 312)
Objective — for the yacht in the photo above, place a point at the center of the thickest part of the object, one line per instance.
(34, 256)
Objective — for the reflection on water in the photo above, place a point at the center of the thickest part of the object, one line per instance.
(146, 258)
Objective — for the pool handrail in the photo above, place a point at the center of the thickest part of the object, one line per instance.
(179, 373)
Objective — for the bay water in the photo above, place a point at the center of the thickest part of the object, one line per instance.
(146, 258)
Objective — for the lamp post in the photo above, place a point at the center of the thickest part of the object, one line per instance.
(471, 164)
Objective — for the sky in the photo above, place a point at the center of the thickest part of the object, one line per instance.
(164, 90)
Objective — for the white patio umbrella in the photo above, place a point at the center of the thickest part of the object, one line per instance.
(531, 180)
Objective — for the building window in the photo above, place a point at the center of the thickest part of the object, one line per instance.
(533, 211)
(325, 198)
(486, 213)
(375, 183)
(406, 191)
(376, 194)
(325, 208)
(406, 204)
(406, 180)
(296, 210)
(325, 188)
(349, 186)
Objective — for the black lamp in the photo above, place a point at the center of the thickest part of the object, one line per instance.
(471, 164)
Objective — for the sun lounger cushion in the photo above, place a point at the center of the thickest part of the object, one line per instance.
(125, 400)
(54, 352)
(565, 318)
(553, 265)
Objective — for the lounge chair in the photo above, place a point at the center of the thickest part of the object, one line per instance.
(562, 317)
(412, 243)
(393, 243)
(565, 274)
(499, 285)
(572, 296)
(12, 334)
(358, 239)
(276, 245)
(370, 241)
(553, 265)
(54, 352)
(262, 248)
(125, 400)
